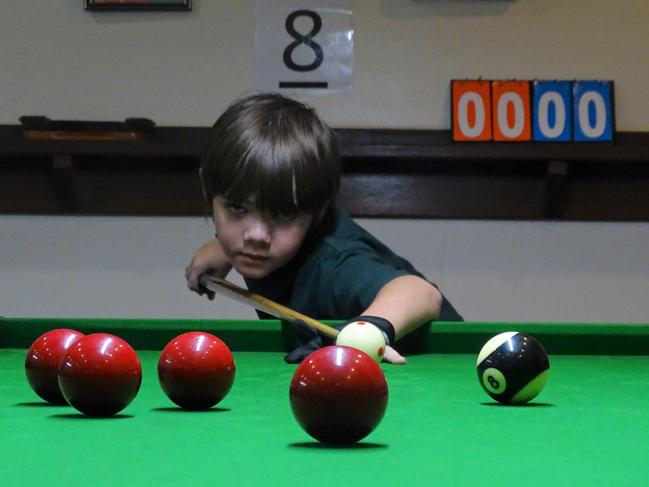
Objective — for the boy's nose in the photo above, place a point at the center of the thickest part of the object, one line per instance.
(258, 231)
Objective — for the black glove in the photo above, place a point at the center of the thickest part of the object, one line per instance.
(381, 323)
(311, 341)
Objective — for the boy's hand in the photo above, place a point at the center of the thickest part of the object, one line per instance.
(207, 259)
(393, 357)
(192, 274)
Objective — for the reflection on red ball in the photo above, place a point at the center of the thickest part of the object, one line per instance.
(338, 395)
(196, 370)
(100, 374)
(42, 362)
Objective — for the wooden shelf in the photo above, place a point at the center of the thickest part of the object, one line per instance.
(386, 173)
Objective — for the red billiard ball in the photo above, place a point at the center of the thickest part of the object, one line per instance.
(42, 362)
(196, 370)
(338, 395)
(100, 375)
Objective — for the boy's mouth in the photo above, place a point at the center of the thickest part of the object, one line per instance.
(254, 257)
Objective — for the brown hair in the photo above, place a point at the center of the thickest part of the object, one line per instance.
(276, 150)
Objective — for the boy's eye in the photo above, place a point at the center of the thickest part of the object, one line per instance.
(287, 216)
(236, 208)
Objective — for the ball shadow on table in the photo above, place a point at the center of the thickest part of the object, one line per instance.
(40, 404)
(524, 405)
(315, 445)
(172, 409)
(90, 418)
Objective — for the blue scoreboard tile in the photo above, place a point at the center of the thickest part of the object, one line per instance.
(552, 111)
(593, 111)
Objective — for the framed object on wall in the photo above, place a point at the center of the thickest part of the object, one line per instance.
(141, 5)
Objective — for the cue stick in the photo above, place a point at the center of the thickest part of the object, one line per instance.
(221, 286)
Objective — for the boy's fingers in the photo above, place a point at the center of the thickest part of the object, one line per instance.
(201, 290)
(393, 357)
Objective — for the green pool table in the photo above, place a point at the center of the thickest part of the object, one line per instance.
(588, 427)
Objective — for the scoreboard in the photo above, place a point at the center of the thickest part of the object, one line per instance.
(526, 110)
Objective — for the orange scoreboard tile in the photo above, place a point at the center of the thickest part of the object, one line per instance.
(512, 116)
(471, 110)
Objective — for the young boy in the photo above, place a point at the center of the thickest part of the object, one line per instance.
(270, 174)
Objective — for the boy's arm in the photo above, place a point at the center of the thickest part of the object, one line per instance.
(407, 302)
(208, 258)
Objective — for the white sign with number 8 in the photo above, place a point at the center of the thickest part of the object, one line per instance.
(304, 46)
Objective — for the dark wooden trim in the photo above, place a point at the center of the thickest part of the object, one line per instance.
(556, 189)
(62, 181)
(386, 173)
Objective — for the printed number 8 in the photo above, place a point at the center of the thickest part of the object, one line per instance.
(306, 39)
(493, 382)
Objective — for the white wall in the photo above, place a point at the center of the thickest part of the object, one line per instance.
(182, 68)
(492, 271)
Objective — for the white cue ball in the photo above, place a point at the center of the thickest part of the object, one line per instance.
(363, 336)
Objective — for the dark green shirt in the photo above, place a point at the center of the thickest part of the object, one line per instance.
(337, 273)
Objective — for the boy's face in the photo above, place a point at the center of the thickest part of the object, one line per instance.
(256, 243)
